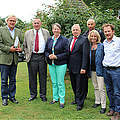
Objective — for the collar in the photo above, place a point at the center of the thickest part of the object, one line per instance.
(56, 38)
(10, 29)
(113, 39)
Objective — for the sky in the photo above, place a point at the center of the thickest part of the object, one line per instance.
(22, 9)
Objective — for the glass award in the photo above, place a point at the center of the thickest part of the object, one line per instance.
(16, 42)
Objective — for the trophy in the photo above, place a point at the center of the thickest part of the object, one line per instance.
(16, 42)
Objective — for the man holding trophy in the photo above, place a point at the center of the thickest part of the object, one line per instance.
(10, 44)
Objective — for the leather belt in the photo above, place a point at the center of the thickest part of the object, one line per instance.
(111, 67)
(38, 53)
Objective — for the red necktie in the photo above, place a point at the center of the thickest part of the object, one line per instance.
(75, 38)
(37, 42)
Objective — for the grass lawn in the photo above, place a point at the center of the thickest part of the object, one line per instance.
(38, 110)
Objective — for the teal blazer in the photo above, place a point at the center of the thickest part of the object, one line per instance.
(6, 41)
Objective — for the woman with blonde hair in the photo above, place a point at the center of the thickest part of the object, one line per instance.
(96, 68)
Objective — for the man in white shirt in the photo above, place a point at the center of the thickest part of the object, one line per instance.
(111, 63)
(34, 46)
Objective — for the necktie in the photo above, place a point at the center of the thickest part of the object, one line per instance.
(37, 42)
(75, 38)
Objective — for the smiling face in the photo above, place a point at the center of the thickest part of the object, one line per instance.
(93, 37)
(76, 30)
(56, 31)
(108, 32)
(36, 24)
(11, 21)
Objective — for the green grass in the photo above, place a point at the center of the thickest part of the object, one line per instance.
(38, 110)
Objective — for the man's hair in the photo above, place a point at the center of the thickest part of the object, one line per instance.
(106, 25)
(76, 25)
(9, 16)
(90, 19)
(97, 34)
(56, 24)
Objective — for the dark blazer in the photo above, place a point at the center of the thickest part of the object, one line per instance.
(79, 58)
(60, 50)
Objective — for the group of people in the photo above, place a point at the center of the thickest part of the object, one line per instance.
(87, 55)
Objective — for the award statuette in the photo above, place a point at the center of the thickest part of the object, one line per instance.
(16, 42)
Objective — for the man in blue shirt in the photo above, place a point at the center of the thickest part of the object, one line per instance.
(111, 63)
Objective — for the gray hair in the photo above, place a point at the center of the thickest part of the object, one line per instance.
(56, 24)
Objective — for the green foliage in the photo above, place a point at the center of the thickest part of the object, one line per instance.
(106, 4)
(68, 13)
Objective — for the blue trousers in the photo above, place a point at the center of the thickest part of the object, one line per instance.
(57, 73)
(8, 71)
(112, 82)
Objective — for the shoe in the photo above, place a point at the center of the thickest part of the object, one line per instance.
(61, 106)
(79, 108)
(73, 103)
(103, 110)
(116, 116)
(53, 102)
(44, 99)
(110, 113)
(95, 105)
(32, 98)
(13, 100)
(4, 102)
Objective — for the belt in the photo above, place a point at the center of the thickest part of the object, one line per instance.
(38, 53)
(111, 67)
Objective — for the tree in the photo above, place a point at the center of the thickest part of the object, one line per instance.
(106, 4)
(68, 12)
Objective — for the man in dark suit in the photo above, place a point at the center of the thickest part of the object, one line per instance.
(34, 47)
(9, 58)
(78, 65)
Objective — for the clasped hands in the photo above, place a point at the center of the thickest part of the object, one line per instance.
(52, 56)
(13, 49)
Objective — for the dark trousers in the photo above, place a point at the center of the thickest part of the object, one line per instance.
(112, 83)
(8, 71)
(37, 65)
(79, 84)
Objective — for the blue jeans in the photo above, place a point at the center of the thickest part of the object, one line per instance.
(112, 82)
(8, 71)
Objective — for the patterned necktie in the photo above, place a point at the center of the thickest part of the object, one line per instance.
(36, 42)
(75, 38)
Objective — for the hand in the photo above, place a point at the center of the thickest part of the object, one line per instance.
(12, 49)
(82, 71)
(52, 56)
(18, 49)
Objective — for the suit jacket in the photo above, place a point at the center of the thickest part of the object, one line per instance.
(6, 41)
(79, 57)
(60, 50)
(29, 41)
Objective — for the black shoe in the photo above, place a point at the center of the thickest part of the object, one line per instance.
(13, 100)
(53, 102)
(79, 108)
(4, 102)
(44, 99)
(103, 110)
(95, 105)
(73, 103)
(61, 106)
(32, 98)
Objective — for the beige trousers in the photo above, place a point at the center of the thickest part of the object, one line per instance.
(99, 89)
